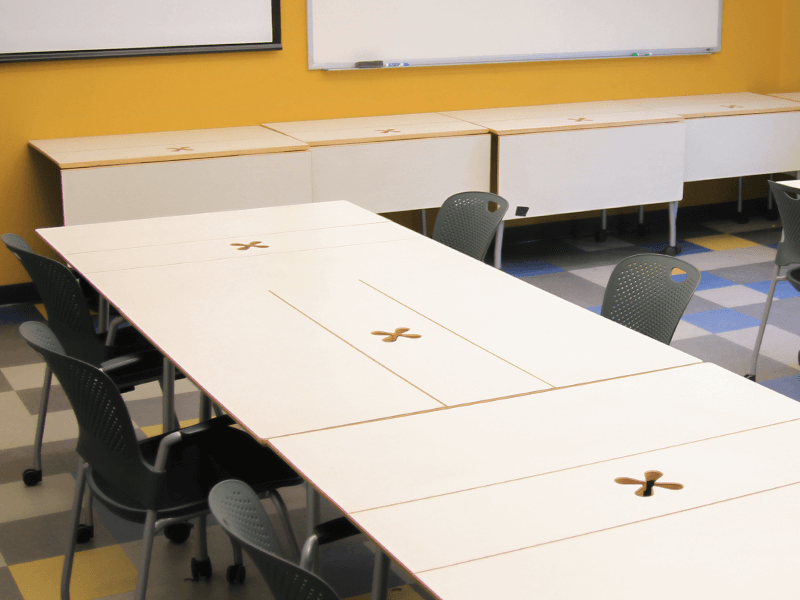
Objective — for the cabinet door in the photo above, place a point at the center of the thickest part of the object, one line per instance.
(141, 191)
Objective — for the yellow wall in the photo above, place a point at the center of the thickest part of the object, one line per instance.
(127, 95)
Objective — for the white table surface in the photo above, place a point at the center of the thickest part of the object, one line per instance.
(493, 413)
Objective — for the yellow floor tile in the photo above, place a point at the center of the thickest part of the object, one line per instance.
(154, 430)
(96, 573)
(404, 592)
(722, 242)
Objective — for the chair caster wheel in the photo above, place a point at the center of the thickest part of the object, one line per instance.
(31, 476)
(600, 236)
(642, 229)
(201, 568)
(236, 574)
(773, 214)
(750, 377)
(671, 250)
(741, 218)
(85, 533)
(178, 532)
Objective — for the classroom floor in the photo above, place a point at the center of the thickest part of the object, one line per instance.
(719, 326)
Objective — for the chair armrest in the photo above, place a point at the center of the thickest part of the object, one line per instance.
(112, 330)
(120, 361)
(203, 426)
(325, 533)
(173, 438)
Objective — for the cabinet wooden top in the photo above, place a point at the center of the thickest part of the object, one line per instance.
(71, 153)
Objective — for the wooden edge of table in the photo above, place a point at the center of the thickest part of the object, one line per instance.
(158, 158)
(738, 112)
(581, 126)
(388, 137)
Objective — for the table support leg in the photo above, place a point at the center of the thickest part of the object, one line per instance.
(102, 315)
(205, 407)
(423, 222)
(673, 248)
(168, 418)
(772, 208)
(313, 517)
(602, 235)
(498, 245)
(641, 227)
(740, 216)
(380, 577)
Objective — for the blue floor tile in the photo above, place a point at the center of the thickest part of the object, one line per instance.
(595, 309)
(19, 313)
(719, 321)
(529, 268)
(788, 386)
(784, 289)
(709, 281)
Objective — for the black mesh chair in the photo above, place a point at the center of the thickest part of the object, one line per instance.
(468, 221)
(158, 481)
(238, 510)
(128, 358)
(788, 200)
(644, 295)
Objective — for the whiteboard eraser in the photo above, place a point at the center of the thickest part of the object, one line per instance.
(369, 64)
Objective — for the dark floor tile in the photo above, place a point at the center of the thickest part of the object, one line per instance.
(746, 273)
(347, 567)
(534, 248)
(16, 352)
(594, 259)
(57, 457)
(686, 248)
(788, 386)
(4, 385)
(32, 398)
(717, 350)
(570, 287)
(765, 237)
(8, 587)
(44, 537)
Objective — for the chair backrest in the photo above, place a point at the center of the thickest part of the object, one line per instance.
(106, 438)
(788, 200)
(468, 221)
(644, 295)
(240, 513)
(67, 312)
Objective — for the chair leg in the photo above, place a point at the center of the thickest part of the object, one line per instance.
(760, 336)
(236, 572)
(69, 557)
(201, 564)
(86, 529)
(147, 553)
(283, 515)
(313, 519)
(34, 475)
(168, 417)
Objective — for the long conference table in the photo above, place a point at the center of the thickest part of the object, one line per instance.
(473, 426)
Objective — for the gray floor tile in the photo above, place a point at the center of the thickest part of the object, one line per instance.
(569, 287)
(57, 457)
(698, 304)
(148, 412)
(44, 537)
(709, 261)
(594, 259)
(765, 237)
(31, 398)
(16, 352)
(784, 314)
(8, 587)
(746, 273)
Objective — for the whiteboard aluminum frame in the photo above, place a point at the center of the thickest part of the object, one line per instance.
(275, 44)
(514, 58)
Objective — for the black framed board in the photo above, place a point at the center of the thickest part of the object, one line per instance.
(33, 30)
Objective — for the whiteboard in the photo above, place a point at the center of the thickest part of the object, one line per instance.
(439, 32)
(59, 29)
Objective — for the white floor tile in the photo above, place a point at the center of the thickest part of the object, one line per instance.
(17, 427)
(722, 259)
(778, 344)
(686, 330)
(25, 377)
(733, 295)
(52, 495)
(598, 275)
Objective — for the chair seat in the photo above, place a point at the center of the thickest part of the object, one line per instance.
(793, 277)
(197, 464)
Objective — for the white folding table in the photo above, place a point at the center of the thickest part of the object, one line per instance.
(416, 387)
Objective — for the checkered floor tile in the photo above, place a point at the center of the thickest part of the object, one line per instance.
(719, 326)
